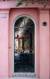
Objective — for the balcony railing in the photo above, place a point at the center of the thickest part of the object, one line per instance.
(30, 1)
(43, 2)
(21, 3)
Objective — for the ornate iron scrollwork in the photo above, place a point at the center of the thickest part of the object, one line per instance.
(43, 2)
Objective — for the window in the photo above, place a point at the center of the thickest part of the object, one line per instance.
(24, 49)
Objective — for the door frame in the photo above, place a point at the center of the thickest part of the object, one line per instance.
(17, 17)
(11, 55)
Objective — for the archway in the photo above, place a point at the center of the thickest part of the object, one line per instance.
(24, 45)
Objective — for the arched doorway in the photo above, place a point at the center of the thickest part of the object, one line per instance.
(24, 45)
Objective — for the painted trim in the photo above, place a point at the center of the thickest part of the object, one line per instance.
(17, 17)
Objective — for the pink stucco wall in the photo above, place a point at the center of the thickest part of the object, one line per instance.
(44, 45)
(4, 43)
(7, 20)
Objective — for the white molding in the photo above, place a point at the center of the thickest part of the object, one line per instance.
(12, 68)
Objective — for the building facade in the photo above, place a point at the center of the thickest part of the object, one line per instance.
(18, 14)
